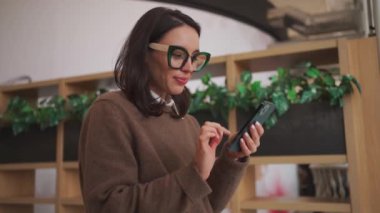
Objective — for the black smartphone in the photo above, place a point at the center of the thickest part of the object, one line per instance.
(262, 113)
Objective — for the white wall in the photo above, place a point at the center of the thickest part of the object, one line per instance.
(48, 39)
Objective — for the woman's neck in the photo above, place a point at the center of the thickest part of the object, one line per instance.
(164, 96)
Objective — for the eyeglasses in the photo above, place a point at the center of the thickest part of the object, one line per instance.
(178, 56)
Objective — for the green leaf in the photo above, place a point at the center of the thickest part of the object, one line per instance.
(327, 79)
(307, 97)
(308, 64)
(356, 83)
(51, 113)
(336, 95)
(246, 77)
(78, 104)
(256, 86)
(292, 95)
(241, 89)
(206, 79)
(346, 84)
(272, 120)
(313, 72)
(20, 114)
(258, 91)
(281, 73)
(273, 79)
(280, 101)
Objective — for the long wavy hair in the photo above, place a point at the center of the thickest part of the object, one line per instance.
(132, 74)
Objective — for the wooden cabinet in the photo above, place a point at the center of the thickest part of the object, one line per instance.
(357, 57)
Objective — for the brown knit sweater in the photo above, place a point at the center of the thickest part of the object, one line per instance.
(132, 163)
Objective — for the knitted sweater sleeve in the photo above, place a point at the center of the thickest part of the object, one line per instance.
(224, 179)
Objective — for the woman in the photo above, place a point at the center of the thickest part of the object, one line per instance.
(139, 150)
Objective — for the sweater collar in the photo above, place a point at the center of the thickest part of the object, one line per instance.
(170, 103)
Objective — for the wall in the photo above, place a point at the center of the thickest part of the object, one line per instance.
(48, 39)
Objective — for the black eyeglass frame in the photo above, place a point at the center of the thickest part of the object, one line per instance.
(169, 49)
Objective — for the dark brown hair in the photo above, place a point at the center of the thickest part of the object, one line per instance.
(132, 74)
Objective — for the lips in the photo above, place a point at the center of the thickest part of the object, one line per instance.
(181, 80)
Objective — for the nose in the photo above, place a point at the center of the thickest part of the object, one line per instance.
(188, 67)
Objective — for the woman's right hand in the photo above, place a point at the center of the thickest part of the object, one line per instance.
(211, 135)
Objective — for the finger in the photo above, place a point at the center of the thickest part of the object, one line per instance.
(219, 127)
(249, 142)
(212, 127)
(206, 136)
(254, 135)
(206, 128)
(210, 134)
(225, 130)
(259, 128)
(244, 148)
(214, 143)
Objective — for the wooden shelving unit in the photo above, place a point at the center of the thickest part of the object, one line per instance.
(299, 204)
(17, 180)
(17, 184)
(358, 57)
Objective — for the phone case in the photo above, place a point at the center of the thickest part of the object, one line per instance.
(261, 114)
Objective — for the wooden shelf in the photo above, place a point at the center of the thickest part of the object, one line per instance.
(300, 204)
(87, 83)
(27, 200)
(218, 60)
(29, 87)
(289, 55)
(304, 159)
(71, 165)
(286, 49)
(87, 78)
(74, 201)
(26, 166)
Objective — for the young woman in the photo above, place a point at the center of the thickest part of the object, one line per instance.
(139, 150)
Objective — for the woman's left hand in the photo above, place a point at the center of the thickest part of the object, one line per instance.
(248, 143)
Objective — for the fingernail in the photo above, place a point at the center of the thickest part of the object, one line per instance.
(253, 126)
(257, 123)
(246, 134)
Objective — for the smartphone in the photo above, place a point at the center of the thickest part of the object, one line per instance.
(262, 113)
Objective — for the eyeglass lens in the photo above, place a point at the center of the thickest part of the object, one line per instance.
(179, 57)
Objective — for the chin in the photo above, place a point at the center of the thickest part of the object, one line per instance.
(177, 91)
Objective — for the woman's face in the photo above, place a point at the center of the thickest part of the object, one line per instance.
(168, 81)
